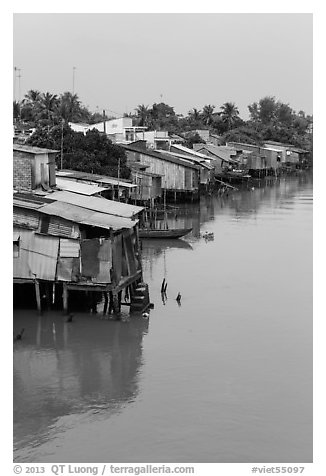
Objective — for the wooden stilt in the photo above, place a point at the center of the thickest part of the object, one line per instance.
(94, 303)
(115, 302)
(38, 296)
(106, 302)
(47, 296)
(65, 298)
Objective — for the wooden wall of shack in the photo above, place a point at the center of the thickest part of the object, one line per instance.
(63, 254)
(149, 186)
(175, 176)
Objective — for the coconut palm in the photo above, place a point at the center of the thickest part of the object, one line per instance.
(207, 114)
(143, 114)
(70, 107)
(194, 115)
(229, 114)
(33, 96)
(49, 105)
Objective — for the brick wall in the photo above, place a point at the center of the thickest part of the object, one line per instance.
(22, 172)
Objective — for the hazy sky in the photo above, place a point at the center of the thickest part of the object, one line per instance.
(184, 60)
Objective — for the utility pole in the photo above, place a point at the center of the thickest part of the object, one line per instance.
(19, 76)
(61, 158)
(15, 70)
(73, 79)
(119, 180)
(104, 123)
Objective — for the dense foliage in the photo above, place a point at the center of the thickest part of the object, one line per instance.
(269, 119)
(92, 152)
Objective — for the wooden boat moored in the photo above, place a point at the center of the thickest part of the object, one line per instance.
(168, 233)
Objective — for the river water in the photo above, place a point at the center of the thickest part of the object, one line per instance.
(226, 376)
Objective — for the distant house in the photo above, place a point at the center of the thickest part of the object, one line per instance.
(272, 157)
(80, 127)
(290, 154)
(120, 130)
(221, 156)
(178, 176)
(206, 175)
(215, 139)
(160, 139)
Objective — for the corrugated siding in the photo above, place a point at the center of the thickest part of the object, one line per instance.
(26, 217)
(37, 256)
(59, 227)
(69, 248)
(77, 214)
(97, 204)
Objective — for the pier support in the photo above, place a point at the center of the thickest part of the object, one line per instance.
(65, 298)
(106, 302)
(38, 296)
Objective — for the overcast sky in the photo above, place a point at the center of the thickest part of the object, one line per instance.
(184, 60)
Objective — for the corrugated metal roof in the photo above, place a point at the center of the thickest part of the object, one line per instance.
(219, 152)
(96, 178)
(161, 156)
(98, 204)
(188, 151)
(32, 149)
(85, 216)
(201, 162)
(78, 187)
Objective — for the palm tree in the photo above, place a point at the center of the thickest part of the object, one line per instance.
(49, 105)
(143, 114)
(31, 105)
(229, 114)
(207, 114)
(32, 97)
(70, 107)
(194, 115)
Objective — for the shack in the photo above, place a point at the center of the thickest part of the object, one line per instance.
(221, 157)
(180, 178)
(111, 187)
(206, 169)
(79, 248)
(67, 242)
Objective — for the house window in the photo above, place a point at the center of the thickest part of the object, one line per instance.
(16, 242)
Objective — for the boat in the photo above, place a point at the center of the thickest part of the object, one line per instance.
(164, 233)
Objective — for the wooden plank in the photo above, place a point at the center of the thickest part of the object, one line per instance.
(129, 280)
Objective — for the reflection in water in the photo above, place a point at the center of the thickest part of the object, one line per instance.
(89, 366)
(224, 377)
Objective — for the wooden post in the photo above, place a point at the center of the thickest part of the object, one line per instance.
(106, 301)
(47, 294)
(115, 302)
(38, 296)
(65, 298)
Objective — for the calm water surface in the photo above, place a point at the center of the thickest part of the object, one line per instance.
(225, 377)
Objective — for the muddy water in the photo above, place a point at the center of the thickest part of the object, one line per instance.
(224, 377)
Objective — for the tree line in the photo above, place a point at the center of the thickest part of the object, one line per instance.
(269, 119)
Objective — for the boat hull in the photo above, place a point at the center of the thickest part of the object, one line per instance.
(173, 233)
